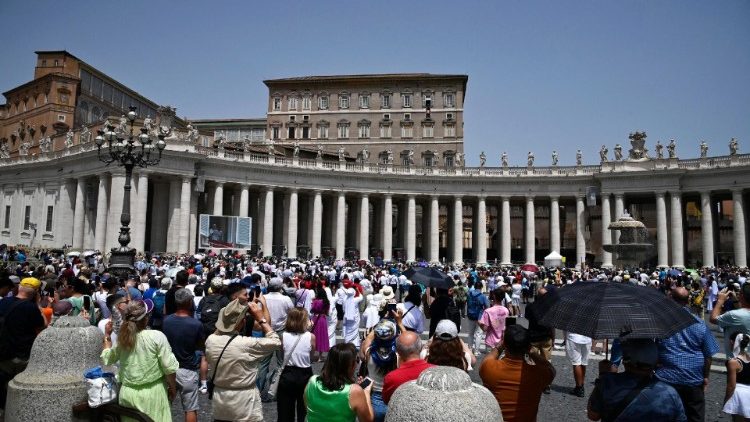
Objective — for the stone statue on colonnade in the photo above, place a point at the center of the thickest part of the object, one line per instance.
(85, 135)
(4, 150)
(618, 152)
(530, 159)
(295, 151)
(579, 158)
(504, 159)
(671, 149)
(659, 150)
(733, 146)
(704, 149)
(638, 150)
(482, 159)
(603, 154)
(45, 144)
(555, 157)
(69, 139)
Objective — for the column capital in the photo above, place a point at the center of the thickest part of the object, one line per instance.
(187, 179)
(529, 198)
(388, 196)
(505, 198)
(660, 193)
(218, 183)
(269, 188)
(554, 197)
(293, 189)
(706, 193)
(482, 197)
(737, 190)
(458, 197)
(619, 194)
(364, 195)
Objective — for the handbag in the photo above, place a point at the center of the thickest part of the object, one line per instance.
(274, 387)
(101, 387)
(210, 383)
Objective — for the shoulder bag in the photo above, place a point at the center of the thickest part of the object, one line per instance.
(273, 389)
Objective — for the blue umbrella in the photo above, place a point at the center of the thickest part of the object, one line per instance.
(674, 273)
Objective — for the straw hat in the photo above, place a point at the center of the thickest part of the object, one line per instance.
(230, 315)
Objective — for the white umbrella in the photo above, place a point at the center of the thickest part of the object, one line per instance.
(199, 256)
(74, 253)
(88, 253)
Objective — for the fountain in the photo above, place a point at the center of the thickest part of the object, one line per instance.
(634, 247)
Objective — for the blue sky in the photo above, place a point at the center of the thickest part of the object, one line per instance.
(543, 75)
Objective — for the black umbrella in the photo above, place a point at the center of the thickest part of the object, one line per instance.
(604, 310)
(429, 277)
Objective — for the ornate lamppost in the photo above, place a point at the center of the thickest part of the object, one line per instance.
(127, 150)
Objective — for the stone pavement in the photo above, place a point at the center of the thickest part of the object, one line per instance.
(558, 405)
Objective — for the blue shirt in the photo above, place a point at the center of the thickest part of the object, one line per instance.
(656, 402)
(682, 356)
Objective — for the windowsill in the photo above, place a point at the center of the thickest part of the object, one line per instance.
(48, 236)
(25, 235)
(5, 232)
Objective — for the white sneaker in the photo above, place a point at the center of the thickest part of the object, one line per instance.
(203, 389)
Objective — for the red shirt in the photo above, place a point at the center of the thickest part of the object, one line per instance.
(408, 371)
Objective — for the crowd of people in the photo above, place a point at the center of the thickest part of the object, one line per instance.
(246, 331)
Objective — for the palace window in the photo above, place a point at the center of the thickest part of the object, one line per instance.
(364, 101)
(275, 133)
(385, 101)
(406, 100)
(385, 131)
(449, 99)
(323, 102)
(364, 130)
(322, 132)
(427, 131)
(407, 131)
(343, 130)
(292, 103)
(306, 103)
(277, 104)
(450, 130)
(343, 101)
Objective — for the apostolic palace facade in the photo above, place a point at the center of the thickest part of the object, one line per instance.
(346, 166)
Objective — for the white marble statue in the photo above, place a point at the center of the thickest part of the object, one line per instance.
(23, 149)
(69, 139)
(45, 144)
(733, 146)
(459, 159)
(603, 151)
(504, 159)
(482, 159)
(148, 123)
(192, 133)
(271, 149)
(555, 157)
(704, 149)
(530, 159)
(579, 158)
(659, 150)
(85, 135)
(389, 154)
(340, 152)
(122, 128)
(295, 151)
(618, 152)
(4, 150)
(365, 155)
(411, 157)
(319, 156)
(671, 149)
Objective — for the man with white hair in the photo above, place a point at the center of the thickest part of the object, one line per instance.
(278, 307)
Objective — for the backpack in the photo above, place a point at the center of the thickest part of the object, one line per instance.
(453, 313)
(460, 293)
(475, 305)
(209, 309)
(157, 315)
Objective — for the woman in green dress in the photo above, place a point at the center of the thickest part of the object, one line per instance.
(147, 365)
(334, 396)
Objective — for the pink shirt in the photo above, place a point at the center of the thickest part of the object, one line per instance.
(494, 319)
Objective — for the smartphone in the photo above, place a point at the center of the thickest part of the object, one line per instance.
(87, 302)
(390, 307)
(365, 382)
(257, 291)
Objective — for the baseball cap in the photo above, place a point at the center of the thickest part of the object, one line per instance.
(446, 330)
(31, 282)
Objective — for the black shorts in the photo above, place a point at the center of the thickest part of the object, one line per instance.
(339, 312)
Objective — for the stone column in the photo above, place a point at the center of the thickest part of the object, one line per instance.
(387, 227)
(193, 222)
(317, 224)
(100, 234)
(115, 210)
(505, 232)
(619, 210)
(606, 233)
(267, 246)
(291, 240)
(481, 254)
(64, 216)
(458, 231)
(662, 235)
(173, 230)
(434, 230)
(138, 227)
(244, 200)
(78, 216)
(740, 245)
(707, 230)
(411, 229)
(340, 225)
(530, 235)
(580, 226)
(364, 227)
(676, 225)
(219, 198)
(554, 223)
(184, 233)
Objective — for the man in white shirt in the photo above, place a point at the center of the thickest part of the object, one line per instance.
(278, 306)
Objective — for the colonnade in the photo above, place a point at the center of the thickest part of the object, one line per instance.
(287, 218)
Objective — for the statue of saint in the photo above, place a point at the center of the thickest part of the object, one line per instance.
(295, 152)
(459, 159)
(618, 152)
(148, 124)
(23, 149)
(45, 144)
(341, 153)
(85, 135)
(69, 139)
(482, 159)
(320, 152)
(4, 150)
(389, 154)
(579, 158)
(659, 150)
(504, 159)
(555, 157)
(411, 157)
(704, 149)
(733, 146)
(671, 149)
(603, 154)
(530, 159)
